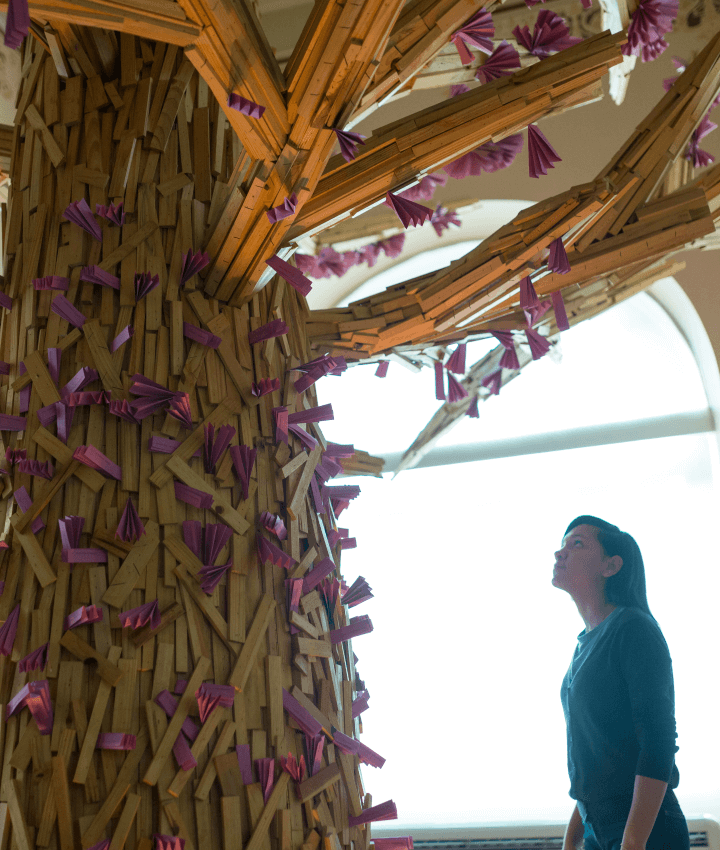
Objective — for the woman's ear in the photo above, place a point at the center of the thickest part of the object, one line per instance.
(614, 565)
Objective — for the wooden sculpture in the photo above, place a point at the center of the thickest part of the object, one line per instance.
(176, 637)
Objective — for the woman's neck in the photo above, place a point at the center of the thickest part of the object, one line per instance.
(594, 612)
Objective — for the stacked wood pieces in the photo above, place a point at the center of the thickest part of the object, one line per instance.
(420, 34)
(233, 56)
(333, 62)
(619, 222)
(161, 19)
(98, 453)
(362, 463)
(398, 153)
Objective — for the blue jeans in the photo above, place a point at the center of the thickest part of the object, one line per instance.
(605, 824)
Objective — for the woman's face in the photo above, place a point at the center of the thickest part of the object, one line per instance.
(581, 563)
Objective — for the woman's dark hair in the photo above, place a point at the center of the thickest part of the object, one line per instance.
(626, 587)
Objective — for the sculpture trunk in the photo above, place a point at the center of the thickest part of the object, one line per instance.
(145, 133)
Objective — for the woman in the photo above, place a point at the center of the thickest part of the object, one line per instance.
(618, 699)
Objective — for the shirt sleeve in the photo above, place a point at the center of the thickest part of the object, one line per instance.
(647, 669)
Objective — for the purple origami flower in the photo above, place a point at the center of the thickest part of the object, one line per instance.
(134, 618)
(78, 212)
(488, 157)
(348, 143)
(243, 459)
(693, 152)
(442, 218)
(550, 35)
(409, 213)
(283, 210)
(649, 23)
(247, 107)
(501, 63)
(557, 260)
(130, 526)
(215, 445)
(541, 154)
(112, 212)
(192, 264)
(425, 189)
(477, 32)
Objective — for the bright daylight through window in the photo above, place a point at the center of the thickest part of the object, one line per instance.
(471, 640)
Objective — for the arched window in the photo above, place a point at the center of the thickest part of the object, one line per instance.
(471, 640)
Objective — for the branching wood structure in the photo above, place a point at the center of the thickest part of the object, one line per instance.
(124, 365)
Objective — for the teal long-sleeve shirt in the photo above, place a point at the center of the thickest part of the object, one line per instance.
(619, 702)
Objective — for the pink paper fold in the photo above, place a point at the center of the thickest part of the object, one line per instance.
(472, 410)
(115, 741)
(314, 745)
(197, 334)
(265, 386)
(8, 631)
(243, 459)
(399, 843)
(561, 318)
(268, 551)
(280, 416)
(351, 745)
(357, 626)
(245, 763)
(125, 334)
(348, 143)
(183, 754)
(312, 579)
(550, 35)
(247, 107)
(359, 591)
(17, 24)
(216, 442)
(541, 154)
(168, 703)
(360, 704)
(80, 379)
(63, 308)
(295, 768)
(501, 63)
(477, 32)
(265, 769)
(95, 459)
(209, 696)
(130, 526)
(538, 344)
(442, 219)
(34, 467)
(283, 210)
(273, 524)
(300, 715)
(557, 259)
(382, 369)
(272, 329)
(320, 413)
(84, 556)
(84, 615)
(70, 530)
(292, 275)
(24, 502)
(409, 213)
(168, 842)
(86, 397)
(51, 282)
(78, 212)
(383, 811)
(35, 660)
(439, 381)
(152, 396)
(192, 264)
(5, 301)
(36, 696)
(456, 361)
(123, 410)
(493, 382)
(180, 409)
(135, 618)
(293, 592)
(144, 282)
(456, 391)
(94, 274)
(112, 212)
(193, 497)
